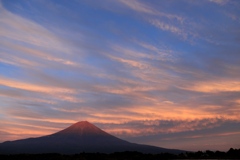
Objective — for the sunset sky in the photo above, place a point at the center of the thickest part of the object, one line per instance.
(163, 73)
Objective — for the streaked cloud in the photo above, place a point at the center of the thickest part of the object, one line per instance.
(138, 6)
(165, 27)
(220, 2)
(33, 87)
(214, 87)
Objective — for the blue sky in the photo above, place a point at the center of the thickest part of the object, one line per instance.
(163, 73)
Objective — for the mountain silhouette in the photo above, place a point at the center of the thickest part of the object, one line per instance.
(79, 137)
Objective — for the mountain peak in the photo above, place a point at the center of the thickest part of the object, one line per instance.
(82, 123)
(82, 128)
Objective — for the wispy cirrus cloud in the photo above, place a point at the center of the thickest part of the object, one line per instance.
(34, 87)
(157, 18)
(138, 6)
(215, 87)
(151, 52)
(17, 61)
(220, 2)
(18, 29)
(156, 15)
(167, 27)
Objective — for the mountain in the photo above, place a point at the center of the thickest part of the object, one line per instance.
(79, 137)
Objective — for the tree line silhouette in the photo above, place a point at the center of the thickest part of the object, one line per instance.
(230, 154)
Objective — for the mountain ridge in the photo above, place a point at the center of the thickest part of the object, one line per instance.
(79, 137)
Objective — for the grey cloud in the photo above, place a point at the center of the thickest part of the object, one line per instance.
(163, 126)
(220, 136)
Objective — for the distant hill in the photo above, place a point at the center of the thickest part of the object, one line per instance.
(79, 137)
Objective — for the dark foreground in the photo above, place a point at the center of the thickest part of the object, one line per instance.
(231, 154)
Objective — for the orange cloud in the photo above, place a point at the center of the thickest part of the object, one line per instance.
(216, 86)
(33, 87)
(62, 93)
(37, 53)
(132, 63)
(17, 61)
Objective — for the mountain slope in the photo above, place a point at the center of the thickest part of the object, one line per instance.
(79, 137)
